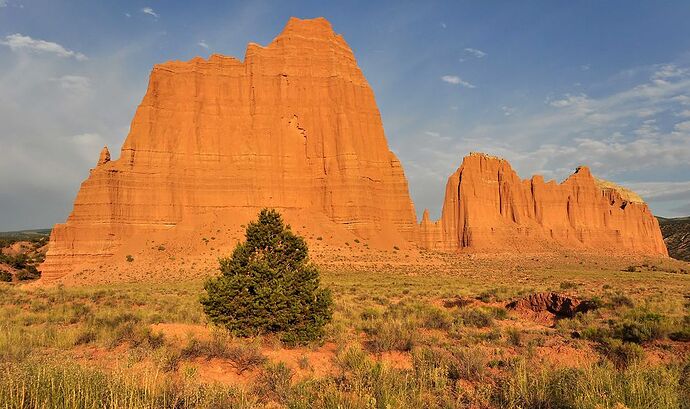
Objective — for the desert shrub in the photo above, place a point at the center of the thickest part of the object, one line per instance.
(245, 356)
(621, 300)
(28, 273)
(129, 258)
(5, 276)
(370, 314)
(467, 363)
(435, 318)
(269, 286)
(391, 335)
(640, 327)
(622, 354)
(681, 335)
(568, 285)
(514, 336)
(595, 386)
(274, 382)
(475, 317)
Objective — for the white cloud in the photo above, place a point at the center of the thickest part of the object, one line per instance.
(682, 126)
(150, 12)
(74, 83)
(443, 25)
(3, 3)
(626, 136)
(585, 67)
(507, 111)
(475, 52)
(203, 44)
(128, 15)
(18, 42)
(455, 80)
(434, 134)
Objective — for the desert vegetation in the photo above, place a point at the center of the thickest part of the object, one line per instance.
(395, 341)
(269, 286)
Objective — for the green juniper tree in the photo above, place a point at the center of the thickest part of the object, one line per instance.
(269, 286)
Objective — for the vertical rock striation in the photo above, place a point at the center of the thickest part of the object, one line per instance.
(293, 126)
(488, 207)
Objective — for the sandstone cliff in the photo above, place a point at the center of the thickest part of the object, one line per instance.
(293, 126)
(488, 207)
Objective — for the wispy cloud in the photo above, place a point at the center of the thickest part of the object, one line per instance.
(3, 3)
(475, 52)
(455, 80)
(472, 53)
(443, 25)
(19, 42)
(507, 110)
(585, 67)
(637, 132)
(75, 83)
(150, 12)
(203, 44)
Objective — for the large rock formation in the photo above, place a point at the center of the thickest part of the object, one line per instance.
(488, 207)
(293, 126)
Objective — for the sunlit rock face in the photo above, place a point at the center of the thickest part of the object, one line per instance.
(293, 126)
(488, 207)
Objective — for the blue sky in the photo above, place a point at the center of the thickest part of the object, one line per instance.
(549, 85)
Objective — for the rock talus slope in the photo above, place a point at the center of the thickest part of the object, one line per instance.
(293, 126)
(488, 207)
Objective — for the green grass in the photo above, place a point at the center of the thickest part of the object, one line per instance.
(472, 356)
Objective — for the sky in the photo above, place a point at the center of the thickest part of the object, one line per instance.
(548, 85)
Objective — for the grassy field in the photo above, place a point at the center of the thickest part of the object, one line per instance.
(397, 341)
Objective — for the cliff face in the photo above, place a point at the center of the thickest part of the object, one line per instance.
(488, 207)
(294, 126)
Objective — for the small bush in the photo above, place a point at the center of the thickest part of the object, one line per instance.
(391, 335)
(28, 273)
(622, 354)
(514, 336)
(5, 276)
(475, 317)
(640, 327)
(568, 285)
(621, 300)
(245, 357)
(274, 383)
(268, 285)
(129, 258)
(467, 363)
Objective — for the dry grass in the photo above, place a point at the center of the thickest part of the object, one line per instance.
(392, 344)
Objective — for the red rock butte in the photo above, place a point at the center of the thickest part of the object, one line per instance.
(295, 127)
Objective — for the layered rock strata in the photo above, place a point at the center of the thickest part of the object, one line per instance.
(294, 125)
(488, 207)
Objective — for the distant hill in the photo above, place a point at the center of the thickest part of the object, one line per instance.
(676, 234)
(18, 235)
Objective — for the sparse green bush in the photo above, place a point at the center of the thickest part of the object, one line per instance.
(475, 317)
(268, 285)
(391, 335)
(28, 273)
(5, 276)
(622, 354)
(274, 383)
(640, 327)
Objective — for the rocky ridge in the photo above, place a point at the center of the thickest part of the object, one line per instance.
(295, 127)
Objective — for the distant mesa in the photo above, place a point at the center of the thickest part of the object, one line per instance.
(295, 127)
